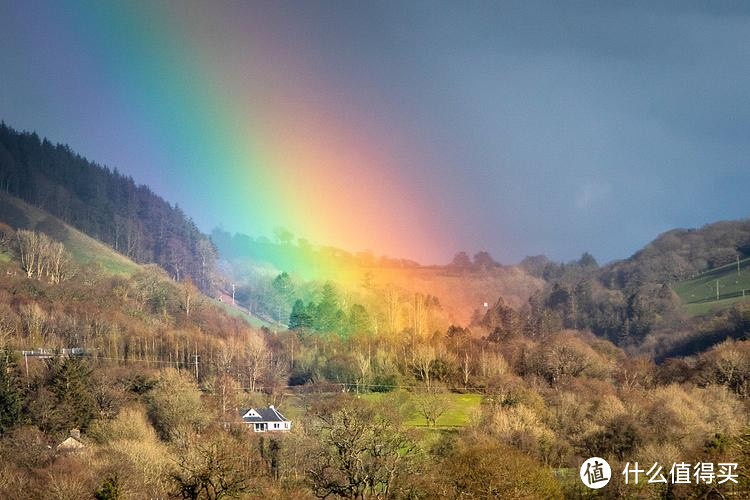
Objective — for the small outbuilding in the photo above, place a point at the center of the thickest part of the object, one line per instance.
(71, 443)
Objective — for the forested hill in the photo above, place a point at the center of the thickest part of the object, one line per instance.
(660, 300)
(104, 204)
(682, 253)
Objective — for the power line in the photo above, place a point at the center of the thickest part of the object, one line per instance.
(712, 270)
(344, 385)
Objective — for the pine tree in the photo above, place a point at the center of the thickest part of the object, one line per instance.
(71, 385)
(11, 395)
(300, 316)
(283, 292)
(358, 320)
(329, 315)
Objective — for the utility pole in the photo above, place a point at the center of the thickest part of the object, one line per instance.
(717, 289)
(738, 265)
(232, 294)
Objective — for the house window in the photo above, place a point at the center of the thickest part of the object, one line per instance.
(286, 425)
(275, 426)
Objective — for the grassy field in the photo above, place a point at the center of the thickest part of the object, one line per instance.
(703, 308)
(699, 293)
(461, 408)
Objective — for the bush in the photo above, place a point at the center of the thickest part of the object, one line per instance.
(174, 405)
(490, 470)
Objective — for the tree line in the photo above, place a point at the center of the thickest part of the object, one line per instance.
(104, 204)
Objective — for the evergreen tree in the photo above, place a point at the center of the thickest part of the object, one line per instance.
(11, 395)
(70, 383)
(283, 292)
(329, 315)
(588, 260)
(110, 489)
(358, 320)
(300, 316)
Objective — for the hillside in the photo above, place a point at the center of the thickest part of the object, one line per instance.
(457, 291)
(85, 250)
(105, 205)
(455, 295)
(108, 305)
(680, 254)
(662, 300)
(717, 288)
(461, 293)
(691, 262)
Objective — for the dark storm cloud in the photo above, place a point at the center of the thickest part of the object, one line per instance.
(536, 127)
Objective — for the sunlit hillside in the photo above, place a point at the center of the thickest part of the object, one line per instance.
(463, 292)
(84, 249)
(717, 288)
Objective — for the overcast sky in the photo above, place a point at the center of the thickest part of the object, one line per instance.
(531, 127)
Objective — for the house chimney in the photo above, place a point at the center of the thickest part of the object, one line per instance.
(75, 434)
(270, 406)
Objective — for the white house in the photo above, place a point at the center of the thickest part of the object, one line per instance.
(266, 419)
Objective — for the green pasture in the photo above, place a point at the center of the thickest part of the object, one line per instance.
(461, 408)
(700, 293)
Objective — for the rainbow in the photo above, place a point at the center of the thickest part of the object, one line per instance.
(251, 130)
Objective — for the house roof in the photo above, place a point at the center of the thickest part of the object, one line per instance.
(269, 414)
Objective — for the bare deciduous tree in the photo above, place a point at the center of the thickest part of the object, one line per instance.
(42, 256)
(214, 467)
(256, 359)
(432, 404)
(363, 362)
(466, 368)
(28, 250)
(424, 356)
(357, 450)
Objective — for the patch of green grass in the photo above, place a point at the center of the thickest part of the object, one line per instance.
(5, 257)
(461, 408)
(703, 308)
(293, 408)
(699, 293)
(87, 251)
